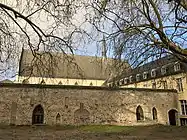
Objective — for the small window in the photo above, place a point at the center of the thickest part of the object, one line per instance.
(125, 80)
(121, 81)
(60, 83)
(137, 77)
(42, 82)
(153, 85)
(179, 84)
(130, 79)
(164, 84)
(177, 66)
(145, 75)
(154, 111)
(153, 73)
(91, 84)
(163, 70)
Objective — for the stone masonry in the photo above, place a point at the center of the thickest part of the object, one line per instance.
(64, 105)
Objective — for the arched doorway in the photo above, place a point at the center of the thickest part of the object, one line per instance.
(139, 113)
(172, 117)
(154, 111)
(38, 115)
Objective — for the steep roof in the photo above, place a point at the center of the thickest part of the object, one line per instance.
(59, 65)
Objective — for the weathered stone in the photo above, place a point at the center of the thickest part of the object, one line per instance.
(83, 105)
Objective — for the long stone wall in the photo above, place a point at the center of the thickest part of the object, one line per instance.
(83, 105)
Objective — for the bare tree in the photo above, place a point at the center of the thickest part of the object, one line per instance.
(139, 30)
(38, 25)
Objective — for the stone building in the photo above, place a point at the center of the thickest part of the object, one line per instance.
(66, 69)
(27, 104)
(164, 73)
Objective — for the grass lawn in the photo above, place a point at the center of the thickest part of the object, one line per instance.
(94, 132)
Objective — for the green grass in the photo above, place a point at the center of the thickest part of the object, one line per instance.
(106, 128)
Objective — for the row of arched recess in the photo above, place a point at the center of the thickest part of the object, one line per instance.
(140, 114)
(81, 115)
(172, 115)
(38, 115)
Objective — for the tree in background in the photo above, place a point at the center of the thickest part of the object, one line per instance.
(135, 30)
(143, 29)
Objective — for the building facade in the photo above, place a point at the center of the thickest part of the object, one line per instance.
(65, 69)
(164, 73)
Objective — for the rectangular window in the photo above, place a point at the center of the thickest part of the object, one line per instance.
(137, 77)
(179, 84)
(164, 84)
(177, 66)
(183, 121)
(154, 85)
(153, 73)
(163, 70)
(183, 107)
(121, 81)
(145, 75)
(125, 80)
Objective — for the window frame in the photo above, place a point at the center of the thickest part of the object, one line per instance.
(177, 66)
(163, 70)
(179, 84)
(130, 79)
(137, 77)
(145, 75)
(153, 71)
(183, 105)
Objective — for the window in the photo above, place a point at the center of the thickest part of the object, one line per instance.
(110, 85)
(125, 80)
(42, 82)
(76, 83)
(153, 73)
(183, 121)
(121, 81)
(38, 115)
(183, 107)
(60, 83)
(179, 84)
(154, 111)
(139, 113)
(177, 66)
(154, 85)
(130, 79)
(137, 77)
(163, 70)
(145, 75)
(91, 84)
(164, 84)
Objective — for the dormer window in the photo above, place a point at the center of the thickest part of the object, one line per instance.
(145, 75)
(153, 73)
(163, 70)
(125, 80)
(177, 66)
(130, 79)
(121, 81)
(137, 77)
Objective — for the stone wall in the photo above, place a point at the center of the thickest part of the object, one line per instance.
(83, 105)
